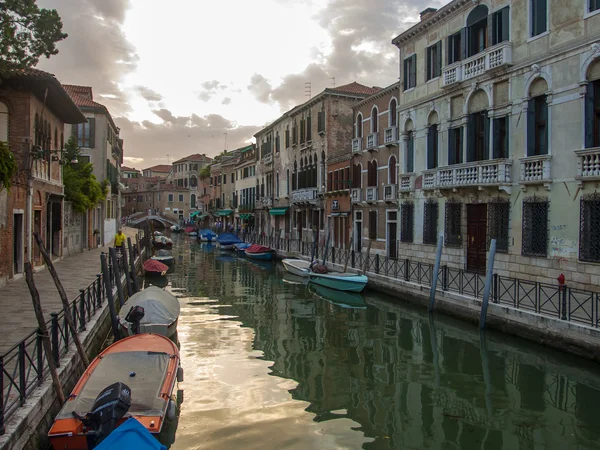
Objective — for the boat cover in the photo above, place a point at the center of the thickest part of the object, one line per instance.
(242, 245)
(206, 232)
(160, 307)
(132, 435)
(143, 371)
(153, 265)
(255, 248)
(228, 239)
(190, 229)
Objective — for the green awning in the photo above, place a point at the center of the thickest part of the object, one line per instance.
(245, 216)
(278, 211)
(195, 213)
(224, 212)
(202, 216)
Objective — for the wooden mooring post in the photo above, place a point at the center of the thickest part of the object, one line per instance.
(126, 269)
(117, 274)
(108, 287)
(134, 280)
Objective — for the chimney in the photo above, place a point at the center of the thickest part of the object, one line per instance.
(427, 13)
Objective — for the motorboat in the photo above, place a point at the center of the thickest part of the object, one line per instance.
(155, 268)
(164, 257)
(226, 241)
(343, 299)
(134, 377)
(131, 434)
(191, 230)
(175, 228)
(297, 267)
(341, 281)
(162, 242)
(241, 247)
(206, 235)
(260, 252)
(161, 312)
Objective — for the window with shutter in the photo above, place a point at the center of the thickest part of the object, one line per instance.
(500, 25)
(372, 224)
(392, 170)
(592, 114)
(434, 61)
(308, 129)
(593, 5)
(287, 138)
(478, 137)
(453, 48)
(321, 121)
(410, 153)
(455, 145)
(477, 30)
(540, 143)
(302, 131)
(407, 221)
(410, 72)
(538, 14)
(500, 138)
(432, 147)
(498, 217)
(430, 219)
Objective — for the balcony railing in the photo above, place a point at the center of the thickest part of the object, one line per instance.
(356, 195)
(40, 170)
(588, 164)
(536, 169)
(390, 193)
(390, 136)
(304, 195)
(266, 201)
(372, 141)
(357, 145)
(491, 58)
(371, 195)
(268, 159)
(478, 173)
(407, 183)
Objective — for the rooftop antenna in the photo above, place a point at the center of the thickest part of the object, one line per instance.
(307, 89)
(225, 141)
(168, 159)
(333, 81)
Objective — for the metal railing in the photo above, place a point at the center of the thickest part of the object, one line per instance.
(562, 302)
(24, 367)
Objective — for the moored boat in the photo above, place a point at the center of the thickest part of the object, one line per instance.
(175, 228)
(162, 242)
(155, 268)
(191, 230)
(241, 247)
(259, 252)
(342, 281)
(131, 434)
(134, 377)
(298, 267)
(164, 257)
(206, 235)
(161, 312)
(226, 241)
(343, 299)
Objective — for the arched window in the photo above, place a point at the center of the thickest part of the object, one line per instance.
(392, 170)
(358, 129)
(277, 185)
(392, 115)
(374, 120)
(537, 119)
(3, 122)
(477, 34)
(592, 106)
(372, 174)
(295, 177)
(357, 176)
(193, 201)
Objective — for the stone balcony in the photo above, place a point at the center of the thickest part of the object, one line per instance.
(491, 58)
(373, 141)
(390, 193)
(478, 173)
(356, 195)
(407, 182)
(588, 164)
(390, 136)
(371, 194)
(536, 170)
(268, 159)
(306, 195)
(357, 145)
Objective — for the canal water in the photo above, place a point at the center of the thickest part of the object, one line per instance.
(273, 364)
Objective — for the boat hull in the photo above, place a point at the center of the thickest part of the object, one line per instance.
(266, 256)
(354, 283)
(166, 260)
(292, 266)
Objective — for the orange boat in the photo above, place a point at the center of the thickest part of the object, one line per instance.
(134, 377)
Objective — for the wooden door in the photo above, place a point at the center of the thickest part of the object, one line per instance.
(392, 233)
(476, 237)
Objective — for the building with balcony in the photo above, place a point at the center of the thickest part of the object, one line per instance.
(228, 164)
(216, 199)
(499, 114)
(99, 141)
(128, 172)
(245, 188)
(186, 173)
(161, 171)
(375, 171)
(34, 109)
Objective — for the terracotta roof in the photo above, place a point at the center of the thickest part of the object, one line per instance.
(128, 169)
(161, 168)
(25, 72)
(356, 88)
(82, 96)
(195, 157)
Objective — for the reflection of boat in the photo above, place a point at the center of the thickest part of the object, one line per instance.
(260, 252)
(343, 299)
(291, 278)
(161, 312)
(298, 267)
(241, 247)
(206, 235)
(342, 281)
(164, 257)
(142, 368)
(131, 434)
(155, 268)
(225, 258)
(227, 240)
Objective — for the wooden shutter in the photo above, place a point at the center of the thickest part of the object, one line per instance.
(543, 115)
(413, 71)
(438, 64)
(405, 79)
(463, 44)
(92, 124)
(490, 29)
(589, 115)
(471, 138)
(430, 148)
(486, 143)
(410, 157)
(531, 127)
(505, 18)
(372, 224)
(451, 146)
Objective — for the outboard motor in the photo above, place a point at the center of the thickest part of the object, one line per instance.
(109, 407)
(134, 316)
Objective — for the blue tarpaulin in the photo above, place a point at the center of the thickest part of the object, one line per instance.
(131, 435)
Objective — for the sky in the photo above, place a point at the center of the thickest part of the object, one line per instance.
(198, 76)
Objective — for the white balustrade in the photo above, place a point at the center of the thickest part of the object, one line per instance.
(535, 169)
(371, 194)
(390, 135)
(588, 164)
(491, 58)
(389, 192)
(372, 141)
(356, 195)
(478, 173)
(407, 183)
(357, 145)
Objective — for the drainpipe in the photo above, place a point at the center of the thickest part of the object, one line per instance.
(29, 202)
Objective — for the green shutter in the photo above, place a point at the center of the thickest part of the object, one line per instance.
(486, 144)
(438, 69)
(544, 118)
(451, 146)
(463, 44)
(406, 81)
(430, 149)
(411, 154)
(589, 115)
(505, 17)
(92, 123)
(531, 127)
(413, 71)
(490, 29)
(471, 138)
(447, 58)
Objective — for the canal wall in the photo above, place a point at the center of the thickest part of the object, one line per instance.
(568, 336)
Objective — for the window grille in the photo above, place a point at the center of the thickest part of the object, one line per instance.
(407, 217)
(430, 222)
(535, 226)
(453, 224)
(589, 228)
(498, 216)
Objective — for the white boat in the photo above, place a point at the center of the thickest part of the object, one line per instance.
(342, 281)
(297, 267)
(161, 312)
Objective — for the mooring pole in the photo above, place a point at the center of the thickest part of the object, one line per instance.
(436, 271)
(43, 332)
(126, 269)
(488, 284)
(326, 247)
(109, 296)
(115, 263)
(134, 280)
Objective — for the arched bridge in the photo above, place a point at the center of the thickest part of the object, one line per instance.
(166, 221)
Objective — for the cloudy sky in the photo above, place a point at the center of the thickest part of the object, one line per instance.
(194, 76)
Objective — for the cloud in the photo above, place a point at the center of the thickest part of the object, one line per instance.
(226, 101)
(149, 94)
(210, 89)
(133, 159)
(96, 53)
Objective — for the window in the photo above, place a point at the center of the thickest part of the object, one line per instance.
(277, 185)
(392, 170)
(374, 120)
(454, 47)
(392, 114)
(170, 198)
(287, 137)
(224, 179)
(538, 10)
(434, 60)
(410, 72)
(358, 126)
(372, 174)
(410, 152)
(372, 224)
(302, 131)
(478, 141)
(500, 26)
(407, 217)
(277, 144)
(453, 224)
(535, 226)
(537, 126)
(498, 215)
(500, 138)
(357, 176)
(308, 129)
(589, 228)
(455, 136)
(321, 121)
(593, 5)
(477, 30)
(592, 114)
(336, 183)
(330, 181)
(181, 197)
(85, 133)
(432, 147)
(295, 134)
(430, 219)
(232, 178)
(3, 122)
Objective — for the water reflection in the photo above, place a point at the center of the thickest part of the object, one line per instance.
(380, 376)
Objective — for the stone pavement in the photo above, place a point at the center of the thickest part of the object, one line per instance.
(17, 318)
